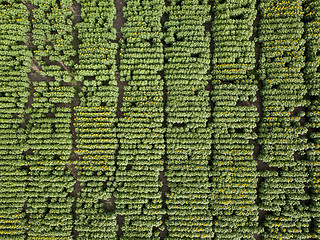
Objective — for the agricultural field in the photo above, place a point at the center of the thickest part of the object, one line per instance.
(159, 119)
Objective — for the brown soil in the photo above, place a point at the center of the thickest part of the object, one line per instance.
(74, 156)
(76, 17)
(76, 189)
(76, 10)
(120, 221)
(261, 166)
(108, 204)
(121, 85)
(117, 24)
(164, 190)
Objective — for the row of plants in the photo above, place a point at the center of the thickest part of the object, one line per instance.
(49, 139)
(140, 130)
(234, 174)
(312, 80)
(95, 120)
(281, 132)
(15, 66)
(188, 139)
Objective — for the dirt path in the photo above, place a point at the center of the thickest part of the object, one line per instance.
(118, 24)
(261, 166)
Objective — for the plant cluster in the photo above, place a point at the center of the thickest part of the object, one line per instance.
(15, 66)
(188, 142)
(283, 92)
(312, 80)
(95, 120)
(234, 175)
(140, 130)
(48, 128)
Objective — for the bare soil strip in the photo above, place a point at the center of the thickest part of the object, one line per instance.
(117, 24)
